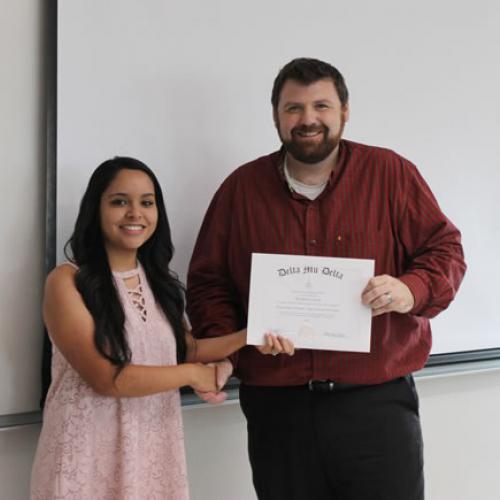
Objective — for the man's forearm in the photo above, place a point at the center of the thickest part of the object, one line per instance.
(216, 348)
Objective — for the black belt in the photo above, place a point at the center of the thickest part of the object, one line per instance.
(331, 386)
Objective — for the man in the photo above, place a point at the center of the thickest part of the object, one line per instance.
(308, 438)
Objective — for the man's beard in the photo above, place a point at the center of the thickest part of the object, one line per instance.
(311, 152)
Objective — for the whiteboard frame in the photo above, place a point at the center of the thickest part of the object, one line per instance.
(435, 360)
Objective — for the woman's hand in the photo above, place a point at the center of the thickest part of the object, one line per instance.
(203, 377)
(276, 344)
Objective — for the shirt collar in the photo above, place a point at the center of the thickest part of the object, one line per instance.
(334, 174)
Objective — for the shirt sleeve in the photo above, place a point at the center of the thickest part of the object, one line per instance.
(435, 260)
(213, 303)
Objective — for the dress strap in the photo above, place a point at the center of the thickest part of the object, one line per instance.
(126, 274)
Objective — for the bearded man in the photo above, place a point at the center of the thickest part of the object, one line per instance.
(329, 424)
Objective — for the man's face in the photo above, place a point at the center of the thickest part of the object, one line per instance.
(310, 119)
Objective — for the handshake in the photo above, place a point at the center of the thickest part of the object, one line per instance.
(274, 345)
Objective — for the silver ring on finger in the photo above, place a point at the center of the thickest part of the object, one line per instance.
(389, 297)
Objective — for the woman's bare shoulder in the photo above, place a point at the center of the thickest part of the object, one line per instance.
(62, 276)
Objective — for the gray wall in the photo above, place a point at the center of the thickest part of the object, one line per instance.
(21, 188)
(460, 413)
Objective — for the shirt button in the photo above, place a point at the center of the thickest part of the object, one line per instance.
(312, 242)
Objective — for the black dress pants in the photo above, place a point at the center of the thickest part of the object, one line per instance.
(361, 443)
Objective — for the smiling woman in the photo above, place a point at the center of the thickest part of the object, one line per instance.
(121, 351)
(128, 216)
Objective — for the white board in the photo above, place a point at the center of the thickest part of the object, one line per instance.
(185, 87)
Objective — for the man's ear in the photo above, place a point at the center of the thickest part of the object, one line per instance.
(345, 111)
(275, 117)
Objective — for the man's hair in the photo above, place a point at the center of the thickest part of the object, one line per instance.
(306, 71)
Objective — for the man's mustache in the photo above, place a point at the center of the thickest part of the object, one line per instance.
(307, 129)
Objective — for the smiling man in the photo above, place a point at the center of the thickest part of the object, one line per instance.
(310, 120)
(329, 424)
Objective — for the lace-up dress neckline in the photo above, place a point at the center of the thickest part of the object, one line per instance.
(136, 294)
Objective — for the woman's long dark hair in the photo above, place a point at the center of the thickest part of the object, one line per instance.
(94, 280)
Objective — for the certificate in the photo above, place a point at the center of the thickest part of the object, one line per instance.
(314, 301)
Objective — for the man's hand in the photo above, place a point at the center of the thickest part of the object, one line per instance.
(385, 294)
(224, 370)
(276, 344)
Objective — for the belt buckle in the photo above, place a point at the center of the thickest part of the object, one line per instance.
(321, 385)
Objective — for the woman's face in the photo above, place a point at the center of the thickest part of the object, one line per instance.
(128, 211)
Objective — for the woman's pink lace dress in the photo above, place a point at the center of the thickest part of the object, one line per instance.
(96, 448)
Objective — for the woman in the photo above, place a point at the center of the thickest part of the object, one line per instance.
(115, 317)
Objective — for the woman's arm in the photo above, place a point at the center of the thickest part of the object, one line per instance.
(71, 328)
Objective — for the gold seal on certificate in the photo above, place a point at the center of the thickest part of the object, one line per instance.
(314, 301)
